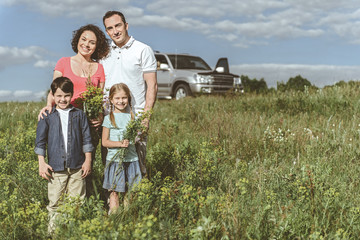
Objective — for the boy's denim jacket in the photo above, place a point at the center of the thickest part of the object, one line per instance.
(49, 132)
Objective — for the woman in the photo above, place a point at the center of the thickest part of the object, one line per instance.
(90, 45)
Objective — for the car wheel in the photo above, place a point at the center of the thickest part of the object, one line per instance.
(181, 91)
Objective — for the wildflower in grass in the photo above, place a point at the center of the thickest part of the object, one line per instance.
(278, 136)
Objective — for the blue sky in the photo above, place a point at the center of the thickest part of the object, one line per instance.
(270, 39)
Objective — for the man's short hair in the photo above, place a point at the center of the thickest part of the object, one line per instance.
(111, 13)
(64, 83)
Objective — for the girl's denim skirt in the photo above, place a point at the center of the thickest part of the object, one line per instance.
(129, 175)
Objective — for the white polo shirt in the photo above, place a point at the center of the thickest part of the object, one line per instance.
(127, 65)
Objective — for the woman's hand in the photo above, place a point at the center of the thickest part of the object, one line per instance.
(95, 123)
(49, 102)
(98, 121)
(43, 112)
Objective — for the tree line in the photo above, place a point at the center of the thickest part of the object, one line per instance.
(297, 83)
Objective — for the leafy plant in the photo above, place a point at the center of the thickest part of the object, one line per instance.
(91, 101)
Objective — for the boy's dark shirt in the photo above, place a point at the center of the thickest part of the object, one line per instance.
(49, 132)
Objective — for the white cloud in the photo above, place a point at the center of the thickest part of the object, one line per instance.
(214, 9)
(40, 95)
(21, 96)
(45, 64)
(14, 56)
(5, 93)
(229, 37)
(239, 22)
(318, 75)
(10, 56)
(22, 93)
(71, 8)
(181, 8)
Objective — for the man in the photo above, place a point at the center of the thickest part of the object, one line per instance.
(133, 63)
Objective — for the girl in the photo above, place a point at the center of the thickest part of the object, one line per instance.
(114, 126)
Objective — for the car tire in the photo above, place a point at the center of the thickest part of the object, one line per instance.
(181, 91)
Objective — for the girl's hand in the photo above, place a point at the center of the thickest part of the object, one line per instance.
(124, 143)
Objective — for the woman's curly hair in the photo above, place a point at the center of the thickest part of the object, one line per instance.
(102, 43)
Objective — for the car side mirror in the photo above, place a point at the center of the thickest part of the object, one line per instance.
(164, 66)
(220, 69)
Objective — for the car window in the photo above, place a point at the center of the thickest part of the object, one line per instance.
(160, 59)
(188, 62)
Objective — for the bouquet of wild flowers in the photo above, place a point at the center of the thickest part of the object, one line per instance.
(91, 101)
(134, 132)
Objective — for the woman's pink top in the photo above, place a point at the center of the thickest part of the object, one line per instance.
(64, 66)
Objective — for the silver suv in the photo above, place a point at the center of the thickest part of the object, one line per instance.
(181, 75)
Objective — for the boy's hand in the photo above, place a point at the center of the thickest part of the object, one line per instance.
(44, 170)
(86, 168)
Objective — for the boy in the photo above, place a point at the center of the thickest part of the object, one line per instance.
(66, 134)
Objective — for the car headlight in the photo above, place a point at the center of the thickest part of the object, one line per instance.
(237, 81)
(205, 79)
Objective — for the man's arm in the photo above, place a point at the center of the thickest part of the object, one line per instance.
(151, 92)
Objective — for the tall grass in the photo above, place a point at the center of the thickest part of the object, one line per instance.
(271, 166)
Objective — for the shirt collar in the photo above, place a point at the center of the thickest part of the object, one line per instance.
(70, 106)
(127, 45)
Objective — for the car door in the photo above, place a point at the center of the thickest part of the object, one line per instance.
(163, 76)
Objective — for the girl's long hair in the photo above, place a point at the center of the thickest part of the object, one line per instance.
(113, 90)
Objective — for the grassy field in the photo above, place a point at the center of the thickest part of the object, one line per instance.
(272, 166)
